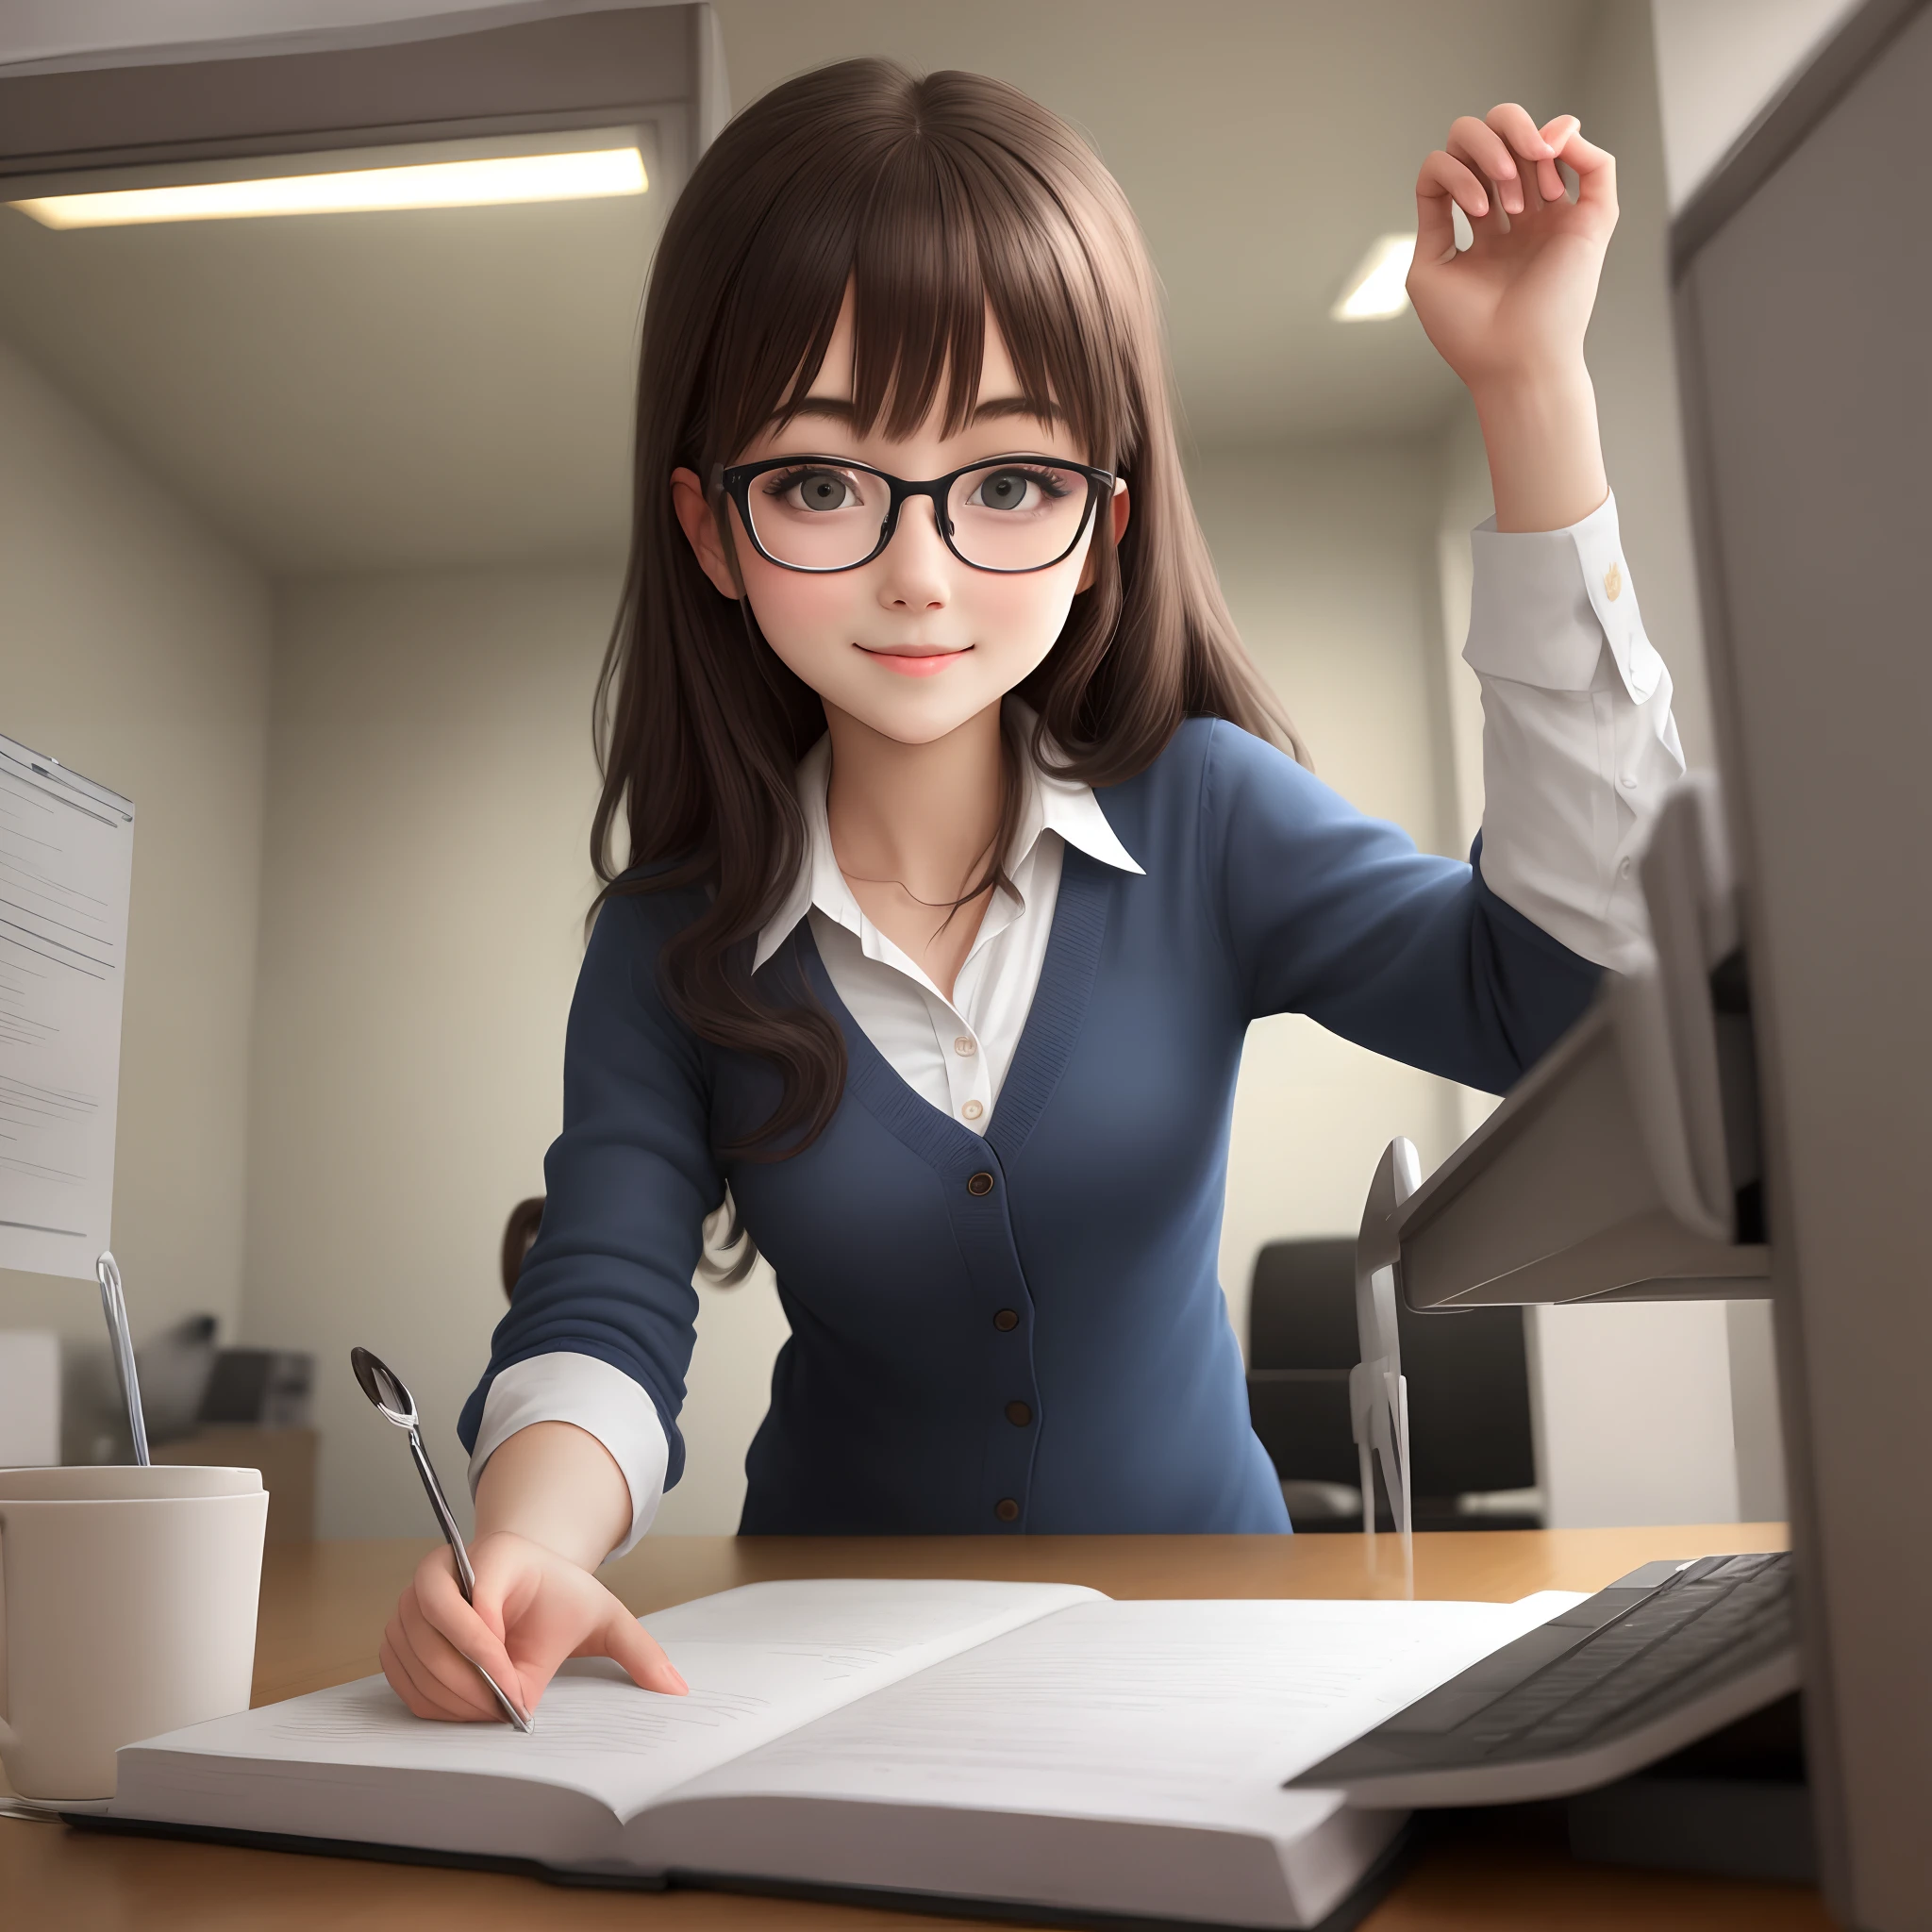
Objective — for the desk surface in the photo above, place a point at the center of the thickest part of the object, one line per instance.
(323, 1605)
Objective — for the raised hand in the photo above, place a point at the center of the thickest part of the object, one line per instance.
(533, 1609)
(1508, 313)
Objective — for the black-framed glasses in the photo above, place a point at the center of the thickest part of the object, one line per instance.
(827, 513)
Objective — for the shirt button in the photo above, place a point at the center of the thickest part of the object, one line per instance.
(972, 1110)
(1019, 1414)
(1005, 1321)
(982, 1183)
(1613, 583)
(1628, 781)
(1007, 1509)
(965, 1046)
(1624, 869)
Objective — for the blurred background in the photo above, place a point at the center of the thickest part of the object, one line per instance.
(310, 538)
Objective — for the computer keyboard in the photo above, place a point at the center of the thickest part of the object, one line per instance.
(1663, 1656)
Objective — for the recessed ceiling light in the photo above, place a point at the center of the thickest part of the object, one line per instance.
(1375, 289)
(433, 184)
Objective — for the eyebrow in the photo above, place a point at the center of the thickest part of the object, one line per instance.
(838, 410)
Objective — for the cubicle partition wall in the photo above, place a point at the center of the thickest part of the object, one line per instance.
(1745, 1115)
(1804, 295)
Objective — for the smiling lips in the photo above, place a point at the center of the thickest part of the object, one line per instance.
(916, 660)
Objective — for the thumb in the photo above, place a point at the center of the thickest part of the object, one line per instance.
(626, 1640)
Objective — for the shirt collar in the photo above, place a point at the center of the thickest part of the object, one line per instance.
(1048, 803)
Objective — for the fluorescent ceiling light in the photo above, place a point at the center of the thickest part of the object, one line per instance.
(432, 184)
(1375, 287)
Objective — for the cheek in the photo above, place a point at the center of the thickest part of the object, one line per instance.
(796, 609)
(1023, 615)
(810, 622)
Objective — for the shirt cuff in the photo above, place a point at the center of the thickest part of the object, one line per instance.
(599, 1399)
(1543, 603)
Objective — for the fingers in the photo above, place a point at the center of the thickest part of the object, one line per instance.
(1556, 132)
(443, 1675)
(539, 1605)
(633, 1647)
(1596, 171)
(1485, 150)
(1444, 182)
(1506, 147)
(473, 1632)
(416, 1686)
(1533, 145)
(433, 1638)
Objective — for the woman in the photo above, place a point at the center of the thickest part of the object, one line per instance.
(961, 852)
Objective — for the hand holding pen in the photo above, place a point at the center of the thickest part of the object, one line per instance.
(447, 1652)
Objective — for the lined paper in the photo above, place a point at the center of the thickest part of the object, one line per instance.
(760, 1660)
(66, 856)
(1177, 1712)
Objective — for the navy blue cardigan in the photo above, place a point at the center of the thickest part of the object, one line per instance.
(1066, 1260)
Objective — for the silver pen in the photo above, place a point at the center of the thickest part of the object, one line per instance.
(390, 1395)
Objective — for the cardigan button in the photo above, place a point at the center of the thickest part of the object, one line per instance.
(1019, 1414)
(1007, 1321)
(980, 1184)
(1007, 1509)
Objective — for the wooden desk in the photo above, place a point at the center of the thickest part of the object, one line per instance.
(323, 1605)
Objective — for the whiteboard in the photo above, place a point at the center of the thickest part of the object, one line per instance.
(66, 856)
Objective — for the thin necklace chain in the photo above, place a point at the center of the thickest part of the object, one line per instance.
(933, 904)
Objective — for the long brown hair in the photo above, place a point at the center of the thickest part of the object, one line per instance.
(930, 200)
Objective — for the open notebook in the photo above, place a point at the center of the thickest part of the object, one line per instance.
(1012, 1743)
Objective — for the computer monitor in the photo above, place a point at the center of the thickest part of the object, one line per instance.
(1751, 1118)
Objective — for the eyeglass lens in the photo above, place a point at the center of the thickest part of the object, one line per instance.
(1005, 516)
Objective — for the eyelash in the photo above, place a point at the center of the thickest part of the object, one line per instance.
(777, 481)
(1049, 484)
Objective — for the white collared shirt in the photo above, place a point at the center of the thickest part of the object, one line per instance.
(1578, 749)
(954, 1052)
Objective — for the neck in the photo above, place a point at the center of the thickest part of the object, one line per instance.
(920, 815)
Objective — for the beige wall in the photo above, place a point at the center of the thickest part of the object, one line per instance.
(1328, 556)
(134, 646)
(425, 880)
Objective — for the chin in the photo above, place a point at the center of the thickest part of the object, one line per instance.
(923, 724)
(925, 730)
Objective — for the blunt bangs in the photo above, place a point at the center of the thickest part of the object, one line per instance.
(931, 226)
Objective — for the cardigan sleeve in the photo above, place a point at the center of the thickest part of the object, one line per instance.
(1328, 912)
(628, 1183)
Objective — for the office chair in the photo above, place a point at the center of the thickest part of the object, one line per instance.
(1472, 1454)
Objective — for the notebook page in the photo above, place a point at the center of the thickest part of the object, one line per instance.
(760, 1662)
(1167, 1713)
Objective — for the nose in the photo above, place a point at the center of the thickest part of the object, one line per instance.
(916, 566)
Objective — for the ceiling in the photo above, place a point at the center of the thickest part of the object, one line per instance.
(452, 386)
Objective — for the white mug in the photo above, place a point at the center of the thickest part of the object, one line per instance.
(128, 1601)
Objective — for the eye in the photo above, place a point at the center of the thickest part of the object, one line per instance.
(815, 490)
(1013, 489)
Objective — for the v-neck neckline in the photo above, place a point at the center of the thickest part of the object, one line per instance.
(1066, 983)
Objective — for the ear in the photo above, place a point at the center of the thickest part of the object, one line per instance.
(1120, 508)
(700, 528)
